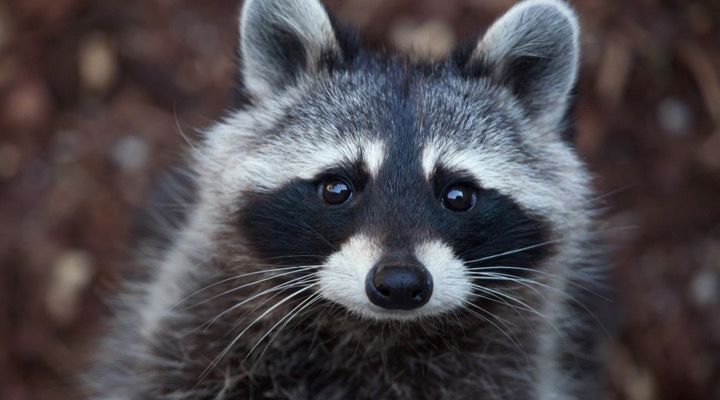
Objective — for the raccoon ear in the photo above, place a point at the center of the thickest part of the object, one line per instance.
(533, 50)
(282, 41)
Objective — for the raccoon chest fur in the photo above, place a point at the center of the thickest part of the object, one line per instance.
(335, 356)
(366, 226)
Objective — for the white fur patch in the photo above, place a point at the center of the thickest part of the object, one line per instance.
(492, 168)
(270, 167)
(343, 277)
(451, 285)
(374, 154)
(429, 160)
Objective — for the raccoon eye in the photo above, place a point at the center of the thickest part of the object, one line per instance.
(335, 191)
(459, 197)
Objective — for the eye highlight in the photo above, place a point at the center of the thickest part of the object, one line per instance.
(459, 197)
(335, 191)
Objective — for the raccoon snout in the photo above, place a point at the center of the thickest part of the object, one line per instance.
(398, 286)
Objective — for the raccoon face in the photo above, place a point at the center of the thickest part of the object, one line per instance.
(402, 190)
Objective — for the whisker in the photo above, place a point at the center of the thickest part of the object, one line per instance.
(236, 288)
(276, 293)
(527, 282)
(210, 286)
(310, 283)
(227, 348)
(524, 306)
(611, 193)
(297, 281)
(472, 294)
(284, 321)
(507, 253)
(190, 143)
(548, 242)
(541, 272)
(512, 338)
(295, 256)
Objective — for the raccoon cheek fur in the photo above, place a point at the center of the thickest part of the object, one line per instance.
(364, 226)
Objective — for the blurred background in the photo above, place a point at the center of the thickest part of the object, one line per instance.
(94, 93)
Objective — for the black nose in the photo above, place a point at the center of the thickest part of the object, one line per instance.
(398, 287)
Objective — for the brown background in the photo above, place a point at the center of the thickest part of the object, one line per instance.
(93, 94)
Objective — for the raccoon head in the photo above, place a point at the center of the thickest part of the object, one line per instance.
(399, 189)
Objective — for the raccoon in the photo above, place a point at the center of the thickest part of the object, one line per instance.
(369, 226)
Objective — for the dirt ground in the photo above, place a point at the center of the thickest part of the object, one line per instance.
(93, 94)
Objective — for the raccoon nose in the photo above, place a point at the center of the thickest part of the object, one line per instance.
(398, 287)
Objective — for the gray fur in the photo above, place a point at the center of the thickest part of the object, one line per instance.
(264, 23)
(162, 345)
(544, 33)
